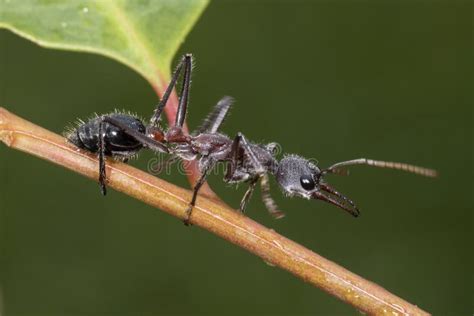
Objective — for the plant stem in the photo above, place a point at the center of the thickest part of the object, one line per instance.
(216, 218)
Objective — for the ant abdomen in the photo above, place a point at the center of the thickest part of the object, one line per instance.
(116, 141)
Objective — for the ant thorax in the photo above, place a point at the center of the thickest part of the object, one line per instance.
(183, 151)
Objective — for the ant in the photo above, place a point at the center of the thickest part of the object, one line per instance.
(122, 136)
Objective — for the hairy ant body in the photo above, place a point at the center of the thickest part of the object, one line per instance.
(122, 136)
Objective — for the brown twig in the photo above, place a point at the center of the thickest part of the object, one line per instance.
(222, 221)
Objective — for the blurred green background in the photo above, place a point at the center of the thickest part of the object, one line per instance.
(331, 80)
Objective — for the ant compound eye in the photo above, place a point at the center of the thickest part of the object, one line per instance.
(307, 182)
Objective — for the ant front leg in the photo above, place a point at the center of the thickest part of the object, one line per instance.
(205, 172)
(240, 142)
(248, 194)
(268, 200)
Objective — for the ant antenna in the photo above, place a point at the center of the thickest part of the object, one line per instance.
(382, 164)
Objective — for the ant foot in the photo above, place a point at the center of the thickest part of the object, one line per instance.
(187, 215)
(103, 189)
(277, 214)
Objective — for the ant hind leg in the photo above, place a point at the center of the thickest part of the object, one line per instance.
(102, 170)
(184, 95)
(159, 109)
(142, 138)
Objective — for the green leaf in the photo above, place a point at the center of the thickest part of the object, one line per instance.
(143, 34)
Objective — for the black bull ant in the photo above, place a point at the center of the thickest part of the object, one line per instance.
(121, 136)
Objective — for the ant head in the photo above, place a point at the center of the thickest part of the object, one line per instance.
(298, 176)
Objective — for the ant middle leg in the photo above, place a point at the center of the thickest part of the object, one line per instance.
(202, 179)
(216, 117)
